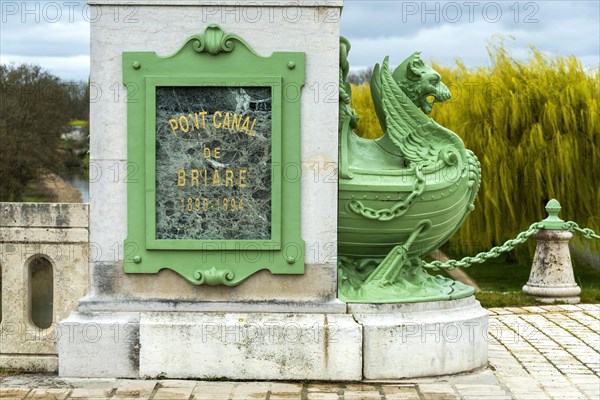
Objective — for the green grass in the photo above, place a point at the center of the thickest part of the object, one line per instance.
(504, 299)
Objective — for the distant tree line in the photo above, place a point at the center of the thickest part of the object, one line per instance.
(360, 76)
(78, 94)
(35, 108)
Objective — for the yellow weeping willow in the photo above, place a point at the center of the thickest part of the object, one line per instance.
(534, 125)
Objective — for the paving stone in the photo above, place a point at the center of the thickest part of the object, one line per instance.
(131, 394)
(437, 388)
(325, 388)
(516, 310)
(48, 394)
(440, 396)
(570, 307)
(127, 388)
(169, 393)
(13, 393)
(96, 383)
(403, 396)
(127, 398)
(360, 387)
(322, 396)
(534, 309)
(499, 311)
(552, 308)
(590, 307)
(176, 383)
(361, 395)
(408, 389)
(282, 389)
(251, 390)
(213, 390)
(85, 393)
(93, 398)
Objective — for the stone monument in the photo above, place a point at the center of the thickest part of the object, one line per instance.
(214, 205)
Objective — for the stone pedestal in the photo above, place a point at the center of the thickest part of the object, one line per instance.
(311, 27)
(288, 327)
(370, 341)
(132, 310)
(422, 339)
(551, 277)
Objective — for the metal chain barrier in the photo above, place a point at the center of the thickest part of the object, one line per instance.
(507, 246)
(493, 253)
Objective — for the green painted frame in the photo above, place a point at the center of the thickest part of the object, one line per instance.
(213, 59)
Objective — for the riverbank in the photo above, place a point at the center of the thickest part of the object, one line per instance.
(53, 189)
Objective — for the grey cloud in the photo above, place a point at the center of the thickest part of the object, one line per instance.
(556, 28)
(375, 27)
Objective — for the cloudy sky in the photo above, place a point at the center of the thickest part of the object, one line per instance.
(55, 34)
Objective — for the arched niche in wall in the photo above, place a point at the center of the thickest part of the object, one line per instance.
(41, 292)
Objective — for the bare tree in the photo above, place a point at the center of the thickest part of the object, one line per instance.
(34, 107)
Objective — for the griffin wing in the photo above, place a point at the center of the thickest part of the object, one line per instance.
(405, 124)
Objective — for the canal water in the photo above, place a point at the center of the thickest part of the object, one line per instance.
(76, 178)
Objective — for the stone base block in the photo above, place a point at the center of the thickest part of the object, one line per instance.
(29, 362)
(270, 346)
(251, 346)
(552, 294)
(98, 345)
(422, 339)
(371, 341)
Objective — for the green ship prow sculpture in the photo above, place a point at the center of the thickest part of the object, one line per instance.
(403, 195)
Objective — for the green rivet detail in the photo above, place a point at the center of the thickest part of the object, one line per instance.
(291, 65)
(137, 259)
(553, 222)
(136, 65)
(291, 260)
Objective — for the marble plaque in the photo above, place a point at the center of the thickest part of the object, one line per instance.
(213, 163)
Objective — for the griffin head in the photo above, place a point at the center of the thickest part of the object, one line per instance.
(421, 83)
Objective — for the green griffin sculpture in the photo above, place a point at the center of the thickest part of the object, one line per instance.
(403, 195)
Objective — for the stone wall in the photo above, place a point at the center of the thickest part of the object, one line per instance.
(32, 235)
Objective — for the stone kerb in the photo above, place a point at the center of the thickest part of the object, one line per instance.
(30, 233)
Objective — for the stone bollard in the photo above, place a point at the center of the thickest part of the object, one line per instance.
(551, 279)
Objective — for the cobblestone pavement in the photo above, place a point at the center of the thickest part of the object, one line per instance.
(535, 353)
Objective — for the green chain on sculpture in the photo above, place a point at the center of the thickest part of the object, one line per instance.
(399, 209)
(493, 253)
